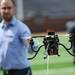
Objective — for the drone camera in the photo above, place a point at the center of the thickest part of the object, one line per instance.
(51, 43)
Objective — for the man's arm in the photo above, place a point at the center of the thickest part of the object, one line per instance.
(32, 44)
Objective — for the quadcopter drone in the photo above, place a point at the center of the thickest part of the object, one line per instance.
(51, 45)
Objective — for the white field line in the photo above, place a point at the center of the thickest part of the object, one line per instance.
(58, 33)
(64, 71)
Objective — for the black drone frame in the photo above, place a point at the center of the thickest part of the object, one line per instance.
(51, 44)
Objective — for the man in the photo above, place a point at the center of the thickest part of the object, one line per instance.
(14, 41)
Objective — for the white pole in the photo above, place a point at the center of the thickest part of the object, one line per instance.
(19, 9)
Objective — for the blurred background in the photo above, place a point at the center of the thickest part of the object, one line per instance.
(52, 15)
(41, 15)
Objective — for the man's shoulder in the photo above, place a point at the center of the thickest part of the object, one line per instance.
(21, 24)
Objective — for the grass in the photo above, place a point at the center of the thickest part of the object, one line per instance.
(56, 65)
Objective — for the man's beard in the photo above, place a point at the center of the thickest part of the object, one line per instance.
(7, 18)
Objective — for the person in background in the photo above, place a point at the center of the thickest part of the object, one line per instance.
(14, 41)
(71, 29)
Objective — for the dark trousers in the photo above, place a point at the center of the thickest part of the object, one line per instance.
(26, 71)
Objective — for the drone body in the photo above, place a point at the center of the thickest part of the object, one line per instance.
(51, 45)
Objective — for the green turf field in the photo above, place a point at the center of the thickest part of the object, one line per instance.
(53, 65)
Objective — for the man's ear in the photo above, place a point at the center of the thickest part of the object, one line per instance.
(0, 11)
(0, 16)
(15, 10)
